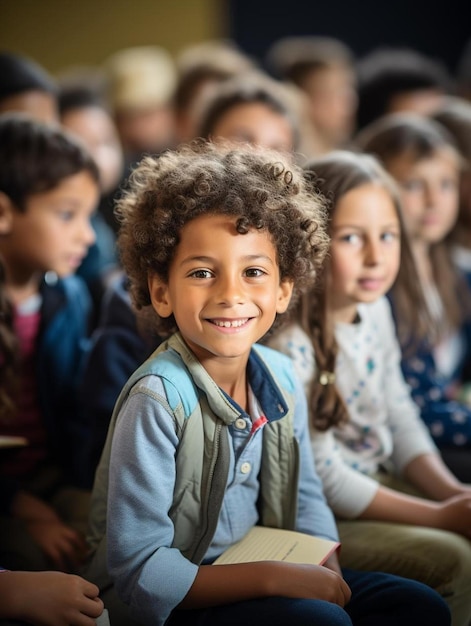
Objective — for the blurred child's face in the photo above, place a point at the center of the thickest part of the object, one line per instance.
(223, 289)
(429, 193)
(97, 130)
(421, 101)
(39, 104)
(257, 124)
(332, 102)
(145, 129)
(365, 249)
(54, 232)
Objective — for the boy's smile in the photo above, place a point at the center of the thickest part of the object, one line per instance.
(223, 289)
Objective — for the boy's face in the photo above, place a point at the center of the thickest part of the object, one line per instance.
(53, 233)
(223, 289)
(429, 193)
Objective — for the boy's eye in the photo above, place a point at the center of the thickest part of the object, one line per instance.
(254, 272)
(201, 274)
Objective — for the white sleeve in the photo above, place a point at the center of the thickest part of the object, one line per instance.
(348, 491)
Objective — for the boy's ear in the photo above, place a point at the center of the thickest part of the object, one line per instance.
(159, 296)
(6, 214)
(285, 291)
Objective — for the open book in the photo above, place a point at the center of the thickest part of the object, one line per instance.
(275, 544)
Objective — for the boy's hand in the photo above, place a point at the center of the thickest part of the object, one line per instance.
(314, 582)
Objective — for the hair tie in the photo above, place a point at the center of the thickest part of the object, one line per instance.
(326, 378)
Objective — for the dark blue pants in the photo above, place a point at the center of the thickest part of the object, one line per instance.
(377, 600)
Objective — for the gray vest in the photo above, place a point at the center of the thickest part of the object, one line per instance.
(202, 414)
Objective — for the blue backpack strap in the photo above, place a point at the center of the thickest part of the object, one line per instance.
(179, 386)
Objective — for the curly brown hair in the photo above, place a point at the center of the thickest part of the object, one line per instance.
(258, 187)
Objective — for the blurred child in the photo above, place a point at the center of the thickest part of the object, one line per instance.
(48, 599)
(26, 87)
(252, 109)
(392, 80)
(84, 114)
(199, 67)
(370, 445)
(48, 192)
(141, 82)
(455, 115)
(323, 68)
(421, 156)
(209, 436)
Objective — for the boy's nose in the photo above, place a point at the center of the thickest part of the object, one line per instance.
(230, 290)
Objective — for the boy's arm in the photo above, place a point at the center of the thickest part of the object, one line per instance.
(224, 584)
(149, 574)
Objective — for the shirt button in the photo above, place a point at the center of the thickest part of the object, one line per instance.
(240, 423)
(245, 468)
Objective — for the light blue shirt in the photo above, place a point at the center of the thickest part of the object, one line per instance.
(149, 574)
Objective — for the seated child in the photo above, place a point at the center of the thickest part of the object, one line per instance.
(370, 445)
(48, 192)
(423, 159)
(209, 437)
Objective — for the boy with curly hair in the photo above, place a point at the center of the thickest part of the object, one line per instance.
(209, 436)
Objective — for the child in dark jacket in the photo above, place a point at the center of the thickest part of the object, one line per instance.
(48, 192)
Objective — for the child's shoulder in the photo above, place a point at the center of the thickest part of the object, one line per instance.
(176, 379)
(291, 333)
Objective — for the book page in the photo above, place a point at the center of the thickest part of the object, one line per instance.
(274, 544)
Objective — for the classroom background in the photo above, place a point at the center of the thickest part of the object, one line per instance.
(63, 33)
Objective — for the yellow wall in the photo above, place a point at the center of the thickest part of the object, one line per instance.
(60, 34)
